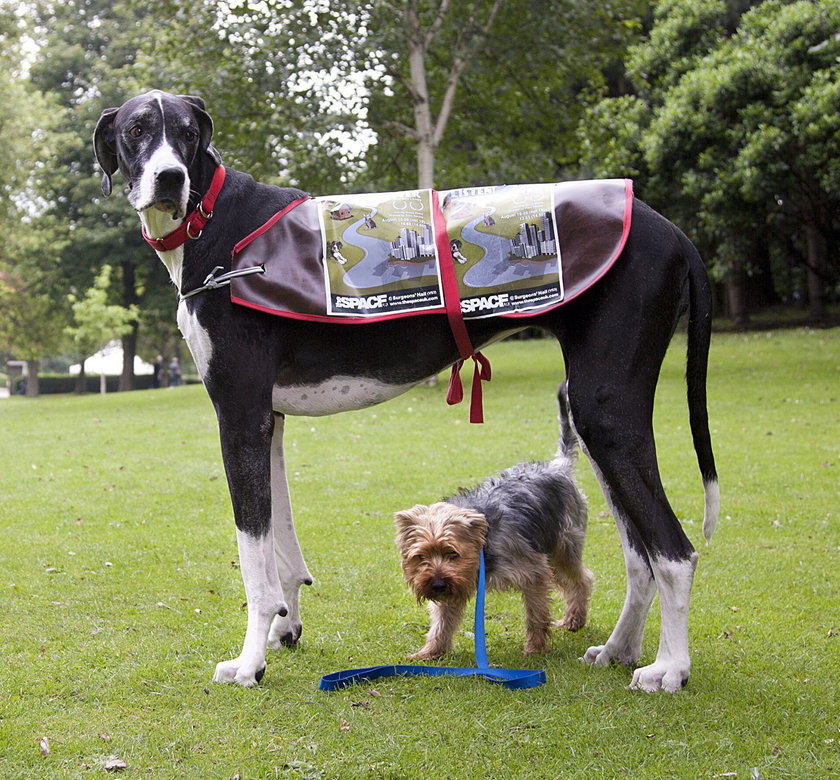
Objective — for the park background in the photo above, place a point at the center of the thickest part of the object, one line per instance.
(725, 114)
(118, 582)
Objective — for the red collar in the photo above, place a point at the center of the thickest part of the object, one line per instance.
(192, 226)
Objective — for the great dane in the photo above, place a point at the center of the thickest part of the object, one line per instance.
(259, 368)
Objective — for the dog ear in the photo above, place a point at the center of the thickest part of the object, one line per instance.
(105, 147)
(205, 125)
(406, 520)
(477, 526)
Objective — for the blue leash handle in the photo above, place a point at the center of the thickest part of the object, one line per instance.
(510, 678)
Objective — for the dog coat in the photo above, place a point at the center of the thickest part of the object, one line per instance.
(507, 251)
(513, 251)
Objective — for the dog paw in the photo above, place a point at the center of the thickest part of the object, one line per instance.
(284, 633)
(603, 655)
(424, 655)
(236, 672)
(660, 676)
(597, 656)
(572, 623)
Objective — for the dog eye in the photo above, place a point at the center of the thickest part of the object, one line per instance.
(190, 134)
(451, 555)
(136, 131)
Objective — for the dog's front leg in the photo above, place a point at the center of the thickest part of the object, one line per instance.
(446, 618)
(246, 443)
(285, 630)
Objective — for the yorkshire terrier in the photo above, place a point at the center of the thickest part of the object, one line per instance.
(531, 521)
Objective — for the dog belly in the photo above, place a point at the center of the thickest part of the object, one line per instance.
(338, 394)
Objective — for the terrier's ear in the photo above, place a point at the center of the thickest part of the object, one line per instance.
(410, 516)
(406, 520)
(477, 526)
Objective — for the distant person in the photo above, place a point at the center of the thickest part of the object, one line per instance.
(157, 375)
(175, 373)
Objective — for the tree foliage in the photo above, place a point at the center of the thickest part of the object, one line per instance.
(735, 131)
(95, 321)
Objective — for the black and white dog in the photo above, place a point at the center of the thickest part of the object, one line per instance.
(258, 368)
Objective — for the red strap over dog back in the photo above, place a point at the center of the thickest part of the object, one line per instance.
(452, 300)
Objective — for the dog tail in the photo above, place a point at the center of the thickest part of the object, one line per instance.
(697, 362)
(568, 443)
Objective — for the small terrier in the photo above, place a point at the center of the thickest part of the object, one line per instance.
(531, 522)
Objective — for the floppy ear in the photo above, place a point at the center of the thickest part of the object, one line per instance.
(104, 147)
(477, 526)
(205, 125)
(406, 520)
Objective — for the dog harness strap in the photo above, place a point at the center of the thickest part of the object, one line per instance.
(213, 282)
(510, 678)
(192, 226)
(452, 301)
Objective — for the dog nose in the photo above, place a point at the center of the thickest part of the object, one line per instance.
(171, 177)
(439, 587)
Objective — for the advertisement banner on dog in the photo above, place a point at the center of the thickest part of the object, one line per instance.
(504, 245)
(379, 254)
(381, 257)
(480, 251)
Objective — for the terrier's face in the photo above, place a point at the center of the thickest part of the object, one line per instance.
(440, 546)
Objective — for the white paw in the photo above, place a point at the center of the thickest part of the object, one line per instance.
(597, 656)
(668, 676)
(284, 632)
(602, 655)
(236, 672)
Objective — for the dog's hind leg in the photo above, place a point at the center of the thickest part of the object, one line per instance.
(285, 630)
(624, 645)
(613, 355)
(246, 440)
(619, 441)
(535, 596)
(576, 583)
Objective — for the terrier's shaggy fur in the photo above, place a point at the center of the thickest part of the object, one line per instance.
(531, 522)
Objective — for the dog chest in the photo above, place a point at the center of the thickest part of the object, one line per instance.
(197, 338)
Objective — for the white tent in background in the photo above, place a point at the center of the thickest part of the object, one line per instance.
(109, 360)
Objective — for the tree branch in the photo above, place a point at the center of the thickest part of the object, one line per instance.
(458, 65)
(403, 130)
(436, 24)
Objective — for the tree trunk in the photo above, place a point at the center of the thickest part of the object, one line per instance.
(32, 389)
(129, 341)
(129, 345)
(736, 298)
(817, 250)
(423, 121)
(81, 379)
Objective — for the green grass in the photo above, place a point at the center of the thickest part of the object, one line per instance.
(119, 594)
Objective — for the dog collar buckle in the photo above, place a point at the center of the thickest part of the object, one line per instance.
(197, 235)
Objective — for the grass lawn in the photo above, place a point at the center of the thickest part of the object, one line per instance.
(119, 590)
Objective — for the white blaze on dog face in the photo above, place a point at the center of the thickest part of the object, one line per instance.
(157, 140)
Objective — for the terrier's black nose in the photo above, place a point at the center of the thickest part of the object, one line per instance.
(439, 586)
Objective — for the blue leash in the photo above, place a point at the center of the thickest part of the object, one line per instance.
(509, 678)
